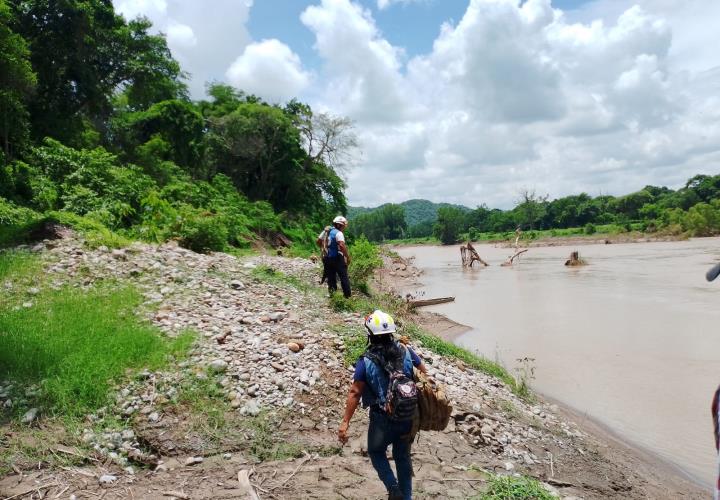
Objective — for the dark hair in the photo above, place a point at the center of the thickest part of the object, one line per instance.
(385, 347)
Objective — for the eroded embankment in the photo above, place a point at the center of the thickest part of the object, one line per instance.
(263, 390)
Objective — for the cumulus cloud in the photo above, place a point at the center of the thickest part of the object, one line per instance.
(205, 38)
(269, 69)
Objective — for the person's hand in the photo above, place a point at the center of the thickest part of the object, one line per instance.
(342, 432)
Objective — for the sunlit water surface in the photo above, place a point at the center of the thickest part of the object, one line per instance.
(632, 339)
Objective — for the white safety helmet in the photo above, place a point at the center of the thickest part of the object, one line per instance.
(340, 220)
(380, 323)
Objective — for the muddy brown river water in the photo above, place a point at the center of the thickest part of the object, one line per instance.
(632, 339)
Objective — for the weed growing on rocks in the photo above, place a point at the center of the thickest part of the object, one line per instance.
(515, 488)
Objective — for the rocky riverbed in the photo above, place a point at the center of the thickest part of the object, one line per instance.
(269, 362)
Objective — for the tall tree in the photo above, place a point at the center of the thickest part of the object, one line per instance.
(17, 80)
(83, 53)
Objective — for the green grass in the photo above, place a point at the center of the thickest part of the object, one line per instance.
(445, 348)
(207, 405)
(75, 343)
(514, 488)
(354, 340)
(269, 275)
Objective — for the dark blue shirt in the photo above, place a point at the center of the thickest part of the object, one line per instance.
(360, 376)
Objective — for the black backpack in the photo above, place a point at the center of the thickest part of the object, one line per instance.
(401, 394)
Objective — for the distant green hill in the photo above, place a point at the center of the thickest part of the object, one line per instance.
(416, 211)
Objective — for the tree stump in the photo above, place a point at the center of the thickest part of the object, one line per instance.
(469, 256)
(575, 259)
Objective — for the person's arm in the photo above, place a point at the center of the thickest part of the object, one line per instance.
(417, 361)
(343, 249)
(351, 404)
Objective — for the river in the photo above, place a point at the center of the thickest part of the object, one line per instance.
(632, 339)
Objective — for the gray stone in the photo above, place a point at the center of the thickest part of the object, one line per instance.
(107, 479)
(237, 285)
(33, 291)
(251, 408)
(154, 417)
(30, 416)
(193, 461)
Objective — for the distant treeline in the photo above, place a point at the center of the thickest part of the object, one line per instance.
(693, 209)
(96, 123)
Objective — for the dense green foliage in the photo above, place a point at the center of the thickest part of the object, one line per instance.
(96, 122)
(384, 222)
(365, 260)
(693, 210)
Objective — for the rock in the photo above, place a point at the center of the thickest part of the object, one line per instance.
(27, 305)
(251, 408)
(30, 416)
(218, 366)
(235, 403)
(509, 466)
(237, 285)
(33, 291)
(227, 456)
(294, 347)
(154, 417)
(277, 366)
(119, 254)
(107, 479)
(127, 435)
(193, 461)
(8, 403)
(276, 316)
(245, 376)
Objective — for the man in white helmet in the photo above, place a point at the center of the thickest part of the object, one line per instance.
(383, 359)
(336, 258)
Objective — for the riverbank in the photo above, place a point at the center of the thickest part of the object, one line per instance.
(260, 394)
(546, 239)
(610, 445)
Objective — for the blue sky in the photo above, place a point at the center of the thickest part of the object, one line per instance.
(601, 96)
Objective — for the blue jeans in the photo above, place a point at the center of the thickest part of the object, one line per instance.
(381, 433)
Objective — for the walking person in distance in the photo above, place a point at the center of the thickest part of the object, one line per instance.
(338, 257)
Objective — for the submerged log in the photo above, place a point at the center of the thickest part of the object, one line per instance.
(575, 259)
(430, 302)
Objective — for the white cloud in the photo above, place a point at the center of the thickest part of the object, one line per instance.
(363, 68)
(204, 37)
(384, 4)
(181, 35)
(269, 69)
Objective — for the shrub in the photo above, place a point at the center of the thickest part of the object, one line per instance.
(203, 232)
(590, 228)
(365, 260)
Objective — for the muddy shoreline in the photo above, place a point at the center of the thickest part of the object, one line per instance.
(615, 447)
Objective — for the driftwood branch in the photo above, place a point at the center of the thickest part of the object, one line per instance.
(245, 486)
(509, 262)
(430, 302)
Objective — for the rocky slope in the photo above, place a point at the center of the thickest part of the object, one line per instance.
(263, 391)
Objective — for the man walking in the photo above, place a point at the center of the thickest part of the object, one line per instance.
(371, 383)
(338, 257)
